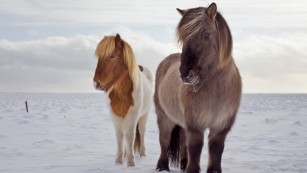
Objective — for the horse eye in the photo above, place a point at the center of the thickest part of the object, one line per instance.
(112, 55)
(206, 35)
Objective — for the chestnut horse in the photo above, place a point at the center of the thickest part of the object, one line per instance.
(195, 90)
(130, 91)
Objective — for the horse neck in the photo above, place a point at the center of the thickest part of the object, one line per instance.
(215, 68)
(121, 98)
(123, 86)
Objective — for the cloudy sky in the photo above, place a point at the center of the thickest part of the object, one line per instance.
(48, 45)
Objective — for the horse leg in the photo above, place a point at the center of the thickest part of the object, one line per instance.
(195, 142)
(119, 138)
(183, 151)
(142, 128)
(216, 148)
(130, 129)
(166, 127)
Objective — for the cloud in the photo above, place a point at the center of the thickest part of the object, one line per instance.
(56, 53)
(67, 64)
(273, 64)
(57, 12)
(248, 13)
(53, 52)
(53, 64)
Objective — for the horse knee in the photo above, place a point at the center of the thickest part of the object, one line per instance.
(216, 147)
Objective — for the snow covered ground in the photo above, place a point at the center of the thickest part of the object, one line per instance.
(73, 133)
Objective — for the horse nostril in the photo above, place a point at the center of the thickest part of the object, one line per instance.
(190, 73)
(96, 84)
(187, 75)
(184, 75)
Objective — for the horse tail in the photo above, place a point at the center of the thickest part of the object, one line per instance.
(137, 141)
(174, 146)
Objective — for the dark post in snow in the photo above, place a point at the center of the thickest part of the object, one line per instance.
(27, 106)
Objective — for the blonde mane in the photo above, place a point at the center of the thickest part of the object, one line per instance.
(105, 49)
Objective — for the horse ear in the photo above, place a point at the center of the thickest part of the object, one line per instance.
(181, 12)
(118, 42)
(212, 10)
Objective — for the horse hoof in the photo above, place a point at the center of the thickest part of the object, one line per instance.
(130, 164)
(142, 153)
(183, 164)
(192, 170)
(163, 169)
(119, 161)
(162, 165)
(214, 171)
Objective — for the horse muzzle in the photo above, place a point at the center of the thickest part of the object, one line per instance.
(190, 78)
(97, 85)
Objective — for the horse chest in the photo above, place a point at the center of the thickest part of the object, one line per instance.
(120, 104)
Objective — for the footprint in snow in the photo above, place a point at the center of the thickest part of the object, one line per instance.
(294, 134)
(44, 117)
(270, 121)
(42, 143)
(2, 136)
(98, 170)
(272, 141)
(23, 122)
(298, 123)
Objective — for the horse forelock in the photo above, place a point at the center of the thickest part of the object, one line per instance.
(190, 24)
(105, 49)
(193, 22)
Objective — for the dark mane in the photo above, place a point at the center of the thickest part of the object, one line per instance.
(225, 39)
(190, 24)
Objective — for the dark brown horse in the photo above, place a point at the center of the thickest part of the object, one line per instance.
(195, 90)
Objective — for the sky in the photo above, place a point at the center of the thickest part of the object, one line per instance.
(49, 45)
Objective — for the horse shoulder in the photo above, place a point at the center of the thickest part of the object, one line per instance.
(168, 91)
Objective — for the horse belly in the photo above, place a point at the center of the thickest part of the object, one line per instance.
(168, 95)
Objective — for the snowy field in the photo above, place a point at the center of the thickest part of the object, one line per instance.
(73, 133)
